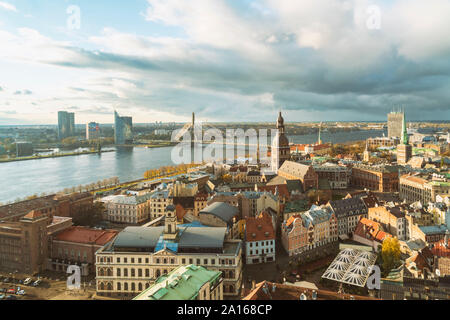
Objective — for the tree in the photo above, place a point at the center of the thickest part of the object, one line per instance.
(89, 217)
(390, 253)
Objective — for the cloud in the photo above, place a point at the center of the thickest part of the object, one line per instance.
(314, 59)
(7, 6)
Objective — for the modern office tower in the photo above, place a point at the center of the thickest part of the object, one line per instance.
(123, 129)
(404, 150)
(92, 131)
(66, 124)
(395, 119)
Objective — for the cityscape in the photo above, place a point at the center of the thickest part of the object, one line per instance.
(227, 181)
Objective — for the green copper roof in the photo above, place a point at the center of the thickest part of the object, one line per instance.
(405, 139)
(183, 283)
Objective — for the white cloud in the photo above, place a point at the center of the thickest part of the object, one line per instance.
(8, 6)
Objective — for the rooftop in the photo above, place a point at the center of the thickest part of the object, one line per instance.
(183, 283)
(86, 235)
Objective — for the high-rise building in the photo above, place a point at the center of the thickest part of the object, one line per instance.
(123, 129)
(395, 119)
(280, 146)
(404, 149)
(66, 124)
(92, 131)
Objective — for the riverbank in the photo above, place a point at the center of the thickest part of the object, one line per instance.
(70, 154)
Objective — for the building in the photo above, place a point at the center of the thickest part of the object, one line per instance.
(338, 176)
(393, 219)
(298, 171)
(24, 244)
(309, 231)
(404, 150)
(52, 205)
(275, 291)
(200, 202)
(159, 200)
(66, 124)
(369, 233)
(395, 121)
(423, 187)
(259, 239)
(186, 283)
(123, 129)
(92, 131)
(280, 151)
(382, 178)
(77, 246)
(384, 142)
(221, 214)
(348, 212)
(128, 209)
(140, 255)
(441, 250)
(24, 149)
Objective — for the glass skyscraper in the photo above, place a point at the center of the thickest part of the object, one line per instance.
(123, 129)
(66, 124)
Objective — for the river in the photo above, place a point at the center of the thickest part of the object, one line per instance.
(24, 178)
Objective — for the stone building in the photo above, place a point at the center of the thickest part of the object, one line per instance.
(382, 178)
(280, 151)
(140, 255)
(297, 171)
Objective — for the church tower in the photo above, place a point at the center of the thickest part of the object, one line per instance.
(366, 154)
(280, 146)
(170, 223)
(404, 149)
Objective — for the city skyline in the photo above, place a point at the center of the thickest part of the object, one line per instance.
(161, 60)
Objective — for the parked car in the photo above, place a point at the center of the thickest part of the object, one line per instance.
(11, 291)
(2, 296)
(37, 282)
(28, 281)
(6, 280)
(10, 297)
(2, 290)
(21, 292)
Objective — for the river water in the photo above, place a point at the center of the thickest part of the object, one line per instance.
(24, 178)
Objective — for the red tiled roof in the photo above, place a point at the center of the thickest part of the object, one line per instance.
(86, 235)
(259, 229)
(282, 190)
(440, 250)
(373, 230)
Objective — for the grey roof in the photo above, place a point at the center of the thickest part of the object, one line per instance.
(349, 206)
(138, 237)
(204, 237)
(222, 210)
(150, 237)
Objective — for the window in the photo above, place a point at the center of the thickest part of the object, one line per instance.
(183, 261)
(139, 273)
(125, 272)
(198, 262)
(125, 260)
(205, 261)
(119, 286)
(118, 272)
(147, 273)
(132, 273)
(132, 260)
(146, 260)
(139, 260)
(133, 287)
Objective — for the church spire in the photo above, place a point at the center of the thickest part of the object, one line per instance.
(404, 131)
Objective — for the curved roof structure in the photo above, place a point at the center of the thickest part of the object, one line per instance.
(351, 266)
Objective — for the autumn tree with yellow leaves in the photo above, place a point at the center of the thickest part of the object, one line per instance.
(390, 253)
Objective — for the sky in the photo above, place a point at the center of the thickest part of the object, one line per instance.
(225, 60)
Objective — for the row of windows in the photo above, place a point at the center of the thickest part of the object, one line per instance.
(164, 261)
(267, 243)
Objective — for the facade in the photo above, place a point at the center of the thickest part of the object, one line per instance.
(128, 209)
(66, 124)
(393, 220)
(309, 231)
(140, 255)
(186, 283)
(77, 246)
(423, 188)
(395, 120)
(384, 142)
(298, 171)
(348, 212)
(370, 233)
(259, 239)
(159, 200)
(200, 202)
(375, 178)
(280, 151)
(338, 176)
(24, 244)
(123, 129)
(92, 131)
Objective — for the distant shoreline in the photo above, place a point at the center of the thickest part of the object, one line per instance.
(53, 156)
